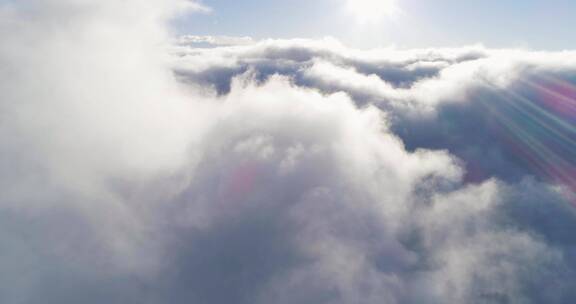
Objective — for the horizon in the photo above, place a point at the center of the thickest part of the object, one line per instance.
(412, 24)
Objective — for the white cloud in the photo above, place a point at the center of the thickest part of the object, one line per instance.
(304, 180)
(195, 6)
(211, 41)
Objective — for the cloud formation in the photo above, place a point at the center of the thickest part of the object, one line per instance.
(482, 105)
(283, 171)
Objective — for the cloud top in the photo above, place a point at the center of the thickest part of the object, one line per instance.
(281, 171)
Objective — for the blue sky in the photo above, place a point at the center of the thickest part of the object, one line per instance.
(536, 24)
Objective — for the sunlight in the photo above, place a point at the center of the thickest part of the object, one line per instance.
(372, 11)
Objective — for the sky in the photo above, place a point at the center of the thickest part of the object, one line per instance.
(149, 155)
(537, 24)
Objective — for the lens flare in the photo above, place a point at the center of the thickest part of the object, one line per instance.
(539, 127)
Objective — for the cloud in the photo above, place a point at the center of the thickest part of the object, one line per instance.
(195, 6)
(436, 98)
(211, 41)
(283, 171)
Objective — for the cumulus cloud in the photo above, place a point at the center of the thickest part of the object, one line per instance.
(480, 104)
(210, 41)
(280, 171)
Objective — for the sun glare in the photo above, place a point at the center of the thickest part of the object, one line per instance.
(372, 11)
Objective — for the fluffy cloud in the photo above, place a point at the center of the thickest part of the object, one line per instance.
(209, 41)
(482, 105)
(276, 172)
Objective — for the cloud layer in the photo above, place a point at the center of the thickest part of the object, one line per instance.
(281, 171)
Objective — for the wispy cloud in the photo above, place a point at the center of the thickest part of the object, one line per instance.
(279, 171)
